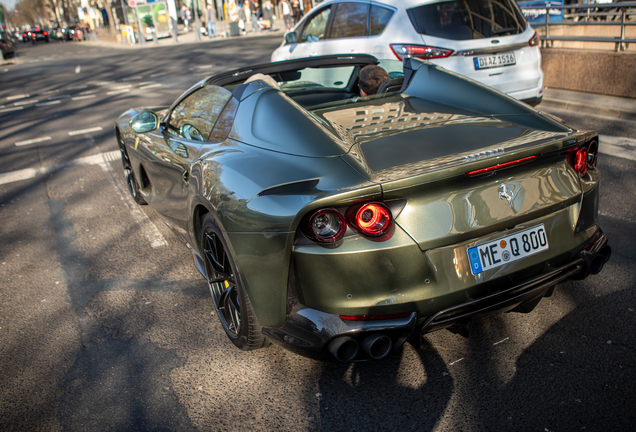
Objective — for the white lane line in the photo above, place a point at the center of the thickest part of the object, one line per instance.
(59, 97)
(23, 174)
(157, 75)
(123, 86)
(85, 131)
(102, 83)
(149, 86)
(90, 92)
(76, 87)
(26, 102)
(455, 361)
(22, 96)
(32, 141)
(11, 109)
(503, 340)
(148, 229)
(90, 96)
(134, 78)
(54, 102)
(118, 92)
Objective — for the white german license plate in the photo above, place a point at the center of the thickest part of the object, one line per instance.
(507, 249)
(494, 61)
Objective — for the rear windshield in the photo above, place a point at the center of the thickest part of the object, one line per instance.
(468, 19)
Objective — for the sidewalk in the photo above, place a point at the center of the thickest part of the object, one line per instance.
(608, 106)
(189, 37)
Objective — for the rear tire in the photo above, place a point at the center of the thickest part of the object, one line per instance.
(231, 302)
(131, 180)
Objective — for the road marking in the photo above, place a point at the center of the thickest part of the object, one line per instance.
(49, 92)
(455, 361)
(90, 96)
(503, 340)
(23, 174)
(149, 86)
(55, 102)
(59, 97)
(78, 69)
(11, 109)
(157, 75)
(76, 87)
(22, 96)
(85, 131)
(26, 102)
(90, 92)
(118, 92)
(134, 78)
(123, 86)
(148, 229)
(615, 146)
(205, 66)
(32, 141)
(102, 83)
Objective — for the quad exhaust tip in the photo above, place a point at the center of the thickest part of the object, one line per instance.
(344, 349)
(377, 346)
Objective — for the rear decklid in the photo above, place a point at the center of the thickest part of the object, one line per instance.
(425, 152)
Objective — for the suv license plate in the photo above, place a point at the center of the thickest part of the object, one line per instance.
(494, 61)
(507, 249)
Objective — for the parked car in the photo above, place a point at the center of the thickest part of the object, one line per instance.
(38, 35)
(340, 226)
(7, 47)
(489, 41)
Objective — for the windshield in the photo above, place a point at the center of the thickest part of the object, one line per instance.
(468, 19)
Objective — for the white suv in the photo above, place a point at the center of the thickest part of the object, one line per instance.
(487, 40)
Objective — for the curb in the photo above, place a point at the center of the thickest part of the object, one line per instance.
(589, 109)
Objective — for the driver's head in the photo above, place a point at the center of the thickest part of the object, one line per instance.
(371, 78)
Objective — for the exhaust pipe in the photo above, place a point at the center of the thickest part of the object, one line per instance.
(606, 253)
(597, 263)
(377, 346)
(344, 349)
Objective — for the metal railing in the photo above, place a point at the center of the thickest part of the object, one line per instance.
(592, 16)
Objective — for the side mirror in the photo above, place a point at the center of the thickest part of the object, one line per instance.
(291, 37)
(144, 122)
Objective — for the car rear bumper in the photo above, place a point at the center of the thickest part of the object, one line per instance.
(327, 336)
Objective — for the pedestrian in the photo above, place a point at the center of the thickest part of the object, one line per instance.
(241, 17)
(254, 16)
(297, 14)
(182, 15)
(287, 14)
(268, 15)
(188, 17)
(210, 21)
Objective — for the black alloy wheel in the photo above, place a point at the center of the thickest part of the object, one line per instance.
(230, 300)
(131, 180)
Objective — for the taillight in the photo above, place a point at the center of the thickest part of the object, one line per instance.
(45, 33)
(372, 219)
(580, 161)
(534, 40)
(327, 226)
(419, 51)
(592, 154)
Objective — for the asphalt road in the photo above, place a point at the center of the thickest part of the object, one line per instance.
(105, 324)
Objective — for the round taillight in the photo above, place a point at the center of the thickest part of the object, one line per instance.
(327, 225)
(592, 154)
(580, 161)
(373, 219)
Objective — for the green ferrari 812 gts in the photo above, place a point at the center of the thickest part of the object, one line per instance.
(341, 226)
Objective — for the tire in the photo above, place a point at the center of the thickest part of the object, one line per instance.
(131, 180)
(231, 302)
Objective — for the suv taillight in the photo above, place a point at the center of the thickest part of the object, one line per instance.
(534, 40)
(419, 51)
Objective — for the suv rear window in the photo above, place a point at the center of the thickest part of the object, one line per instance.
(468, 19)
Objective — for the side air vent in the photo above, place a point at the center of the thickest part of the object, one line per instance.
(291, 189)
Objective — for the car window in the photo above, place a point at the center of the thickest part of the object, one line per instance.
(467, 19)
(195, 115)
(225, 122)
(350, 20)
(378, 19)
(332, 77)
(316, 28)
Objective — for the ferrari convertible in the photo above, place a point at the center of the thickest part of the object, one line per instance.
(341, 226)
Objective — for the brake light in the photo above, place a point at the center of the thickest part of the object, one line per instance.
(583, 158)
(373, 219)
(534, 40)
(501, 166)
(45, 33)
(419, 51)
(580, 161)
(327, 226)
